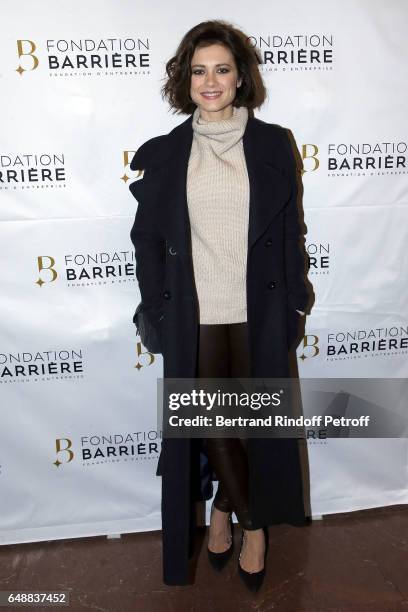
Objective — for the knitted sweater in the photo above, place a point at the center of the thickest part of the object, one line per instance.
(218, 205)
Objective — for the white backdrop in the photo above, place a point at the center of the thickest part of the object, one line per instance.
(78, 438)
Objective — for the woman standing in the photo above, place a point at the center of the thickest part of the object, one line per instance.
(221, 272)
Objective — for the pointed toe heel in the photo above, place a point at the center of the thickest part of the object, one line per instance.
(253, 580)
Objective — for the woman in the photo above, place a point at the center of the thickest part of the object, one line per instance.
(221, 272)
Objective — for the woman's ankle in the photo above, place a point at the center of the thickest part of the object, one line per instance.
(254, 533)
(219, 518)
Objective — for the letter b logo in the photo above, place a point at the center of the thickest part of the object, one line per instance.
(26, 48)
(46, 262)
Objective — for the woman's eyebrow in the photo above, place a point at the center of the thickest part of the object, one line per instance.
(203, 66)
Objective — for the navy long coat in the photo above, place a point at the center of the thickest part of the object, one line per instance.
(276, 286)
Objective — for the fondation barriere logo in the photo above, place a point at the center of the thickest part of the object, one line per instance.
(32, 171)
(360, 343)
(96, 449)
(86, 57)
(367, 159)
(86, 269)
(364, 343)
(294, 51)
(42, 365)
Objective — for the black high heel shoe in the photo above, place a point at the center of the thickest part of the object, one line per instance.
(219, 560)
(253, 580)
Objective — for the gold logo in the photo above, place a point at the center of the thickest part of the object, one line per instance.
(63, 449)
(42, 260)
(310, 151)
(142, 351)
(26, 48)
(309, 346)
(127, 158)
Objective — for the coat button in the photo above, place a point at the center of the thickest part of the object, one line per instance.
(269, 242)
(271, 285)
(172, 251)
(167, 295)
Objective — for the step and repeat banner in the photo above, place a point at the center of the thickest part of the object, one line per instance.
(80, 93)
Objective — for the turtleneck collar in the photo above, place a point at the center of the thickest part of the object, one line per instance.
(222, 134)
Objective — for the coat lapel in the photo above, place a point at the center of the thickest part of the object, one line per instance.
(269, 188)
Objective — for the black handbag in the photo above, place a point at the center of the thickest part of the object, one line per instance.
(149, 333)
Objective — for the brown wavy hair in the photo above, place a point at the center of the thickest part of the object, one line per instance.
(176, 89)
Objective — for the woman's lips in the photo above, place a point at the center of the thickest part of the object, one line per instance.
(212, 96)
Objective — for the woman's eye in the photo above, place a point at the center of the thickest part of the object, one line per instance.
(200, 71)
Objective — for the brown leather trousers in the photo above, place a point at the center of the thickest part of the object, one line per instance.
(223, 352)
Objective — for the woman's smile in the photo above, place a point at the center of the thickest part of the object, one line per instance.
(211, 95)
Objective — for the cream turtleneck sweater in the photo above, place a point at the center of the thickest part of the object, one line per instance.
(218, 205)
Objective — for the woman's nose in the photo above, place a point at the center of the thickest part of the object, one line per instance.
(211, 80)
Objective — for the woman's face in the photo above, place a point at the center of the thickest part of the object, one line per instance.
(213, 71)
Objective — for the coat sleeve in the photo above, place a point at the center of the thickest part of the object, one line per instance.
(295, 253)
(148, 243)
